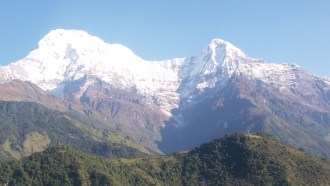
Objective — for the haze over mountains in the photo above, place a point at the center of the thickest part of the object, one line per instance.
(174, 104)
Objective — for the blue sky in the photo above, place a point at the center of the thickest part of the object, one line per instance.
(283, 31)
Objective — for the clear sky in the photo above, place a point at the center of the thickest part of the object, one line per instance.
(279, 31)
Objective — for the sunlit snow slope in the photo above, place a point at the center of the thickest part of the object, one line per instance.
(66, 55)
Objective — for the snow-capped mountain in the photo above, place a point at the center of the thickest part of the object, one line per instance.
(68, 55)
(171, 99)
(220, 61)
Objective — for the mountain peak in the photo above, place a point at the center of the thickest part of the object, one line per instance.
(71, 41)
(226, 47)
(61, 37)
(69, 55)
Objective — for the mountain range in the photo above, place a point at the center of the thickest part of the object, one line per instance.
(174, 104)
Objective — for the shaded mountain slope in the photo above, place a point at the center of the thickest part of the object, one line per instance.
(122, 111)
(239, 159)
(244, 105)
(100, 106)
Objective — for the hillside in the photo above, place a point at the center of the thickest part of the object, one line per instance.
(18, 90)
(239, 159)
(26, 128)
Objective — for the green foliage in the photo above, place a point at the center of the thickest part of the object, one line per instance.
(21, 120)
(239, 159)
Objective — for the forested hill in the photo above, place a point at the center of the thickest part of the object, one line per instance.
(26, 128)
(239, 159)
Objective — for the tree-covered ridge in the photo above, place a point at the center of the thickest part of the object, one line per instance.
(254, 159)
(26, 128)
(239, 159)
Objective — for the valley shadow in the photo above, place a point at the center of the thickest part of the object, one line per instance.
(190, 126)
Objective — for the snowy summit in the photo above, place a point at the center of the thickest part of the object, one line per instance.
(63, 56)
